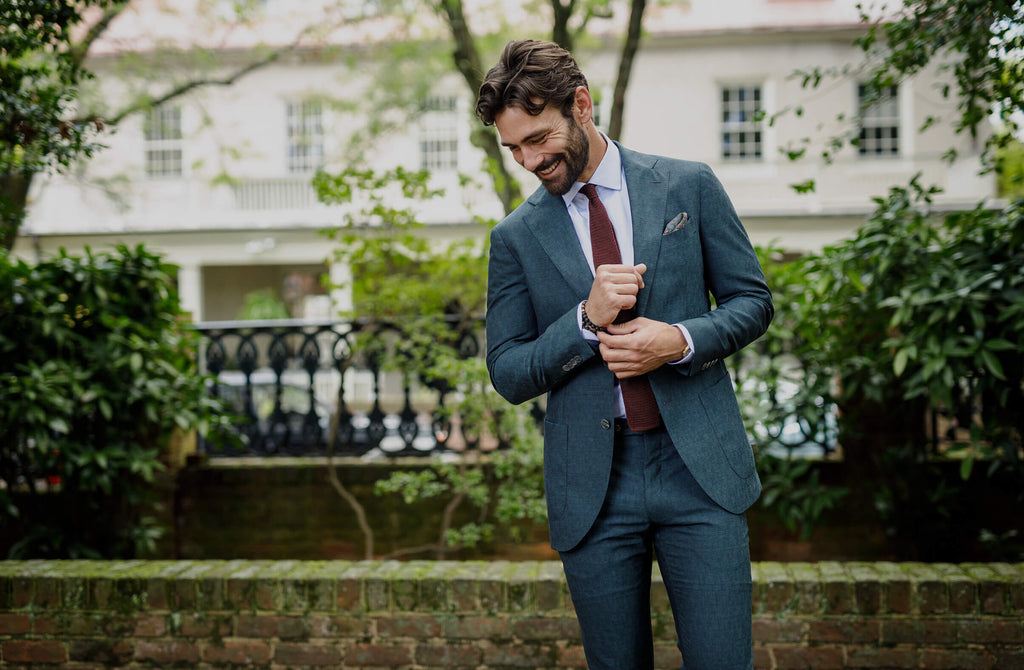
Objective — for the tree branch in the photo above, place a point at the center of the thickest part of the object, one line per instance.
(182, 89)
(79, 51)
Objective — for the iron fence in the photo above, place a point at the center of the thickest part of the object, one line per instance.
(292, 384)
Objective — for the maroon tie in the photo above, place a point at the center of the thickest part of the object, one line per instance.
(637, 396)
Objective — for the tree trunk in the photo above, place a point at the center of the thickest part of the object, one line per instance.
(14, 188)
(629, 49)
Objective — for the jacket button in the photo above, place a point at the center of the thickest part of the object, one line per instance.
(606, 424)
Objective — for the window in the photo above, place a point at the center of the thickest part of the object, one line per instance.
(741, 123)
(439, 134)
(305, 136)
(162, 130)
(879, 122)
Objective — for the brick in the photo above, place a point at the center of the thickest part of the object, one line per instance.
(107, 652)
(991, 632)
(34, 651)
(409, 625)
(667, 656)
(845, 631)
(762, 658)
(150, 626)
(769, 631)
(166, 653)
(377, 655)
(917, 632)
(448, 655)
(282, 627)
(896, 587)
(572, 656)
(204, 625)
(839, 589)
(1008, 659)
(808, 658)
(337, 626)
(68, 624)
(15, 624)
(237, 653)
(306, 654)
(547, 628)
(519, 655)
(478, 628)
(957, 659)
(882, 658)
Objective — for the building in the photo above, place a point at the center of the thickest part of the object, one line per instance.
(218, 180)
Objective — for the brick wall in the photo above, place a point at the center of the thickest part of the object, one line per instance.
(480, 615)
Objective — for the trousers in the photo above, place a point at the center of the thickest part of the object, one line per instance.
(654, 508)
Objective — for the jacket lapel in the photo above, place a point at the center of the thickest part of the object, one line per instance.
(648, 194)
(553, 228)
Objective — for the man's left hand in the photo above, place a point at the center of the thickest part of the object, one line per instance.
(636, 347)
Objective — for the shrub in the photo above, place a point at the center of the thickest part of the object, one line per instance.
(96, 372)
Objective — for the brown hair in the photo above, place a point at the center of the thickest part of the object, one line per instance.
(531, 75)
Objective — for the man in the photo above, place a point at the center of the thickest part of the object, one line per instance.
(598, 295)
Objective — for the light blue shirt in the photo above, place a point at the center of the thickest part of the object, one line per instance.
(610, 181)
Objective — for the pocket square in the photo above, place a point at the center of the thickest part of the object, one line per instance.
(676, 223)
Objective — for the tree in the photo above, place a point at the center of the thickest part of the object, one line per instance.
(417, 300)
(406, 81)
(45, 123)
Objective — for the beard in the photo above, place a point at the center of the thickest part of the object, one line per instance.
(575, 155)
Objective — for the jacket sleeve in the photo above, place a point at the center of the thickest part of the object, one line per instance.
(526, 357)
(733, 276)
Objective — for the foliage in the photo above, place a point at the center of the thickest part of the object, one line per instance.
(433, 293)
(1010, 168)
(915, 312)
(794, 493)
(978, 41)
(263, 304)
(96, 372)
(39, 77)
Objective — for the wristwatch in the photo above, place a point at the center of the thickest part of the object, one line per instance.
(587, 323)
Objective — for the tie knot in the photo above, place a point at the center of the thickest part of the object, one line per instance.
(589, 190)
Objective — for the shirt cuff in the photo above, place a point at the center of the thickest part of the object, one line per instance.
(689, 343)
(587, 334)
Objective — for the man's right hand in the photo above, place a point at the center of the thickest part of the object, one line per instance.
(614, 289)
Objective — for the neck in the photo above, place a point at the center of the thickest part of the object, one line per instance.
(598, 147)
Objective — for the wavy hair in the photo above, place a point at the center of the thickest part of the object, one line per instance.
(531, 75)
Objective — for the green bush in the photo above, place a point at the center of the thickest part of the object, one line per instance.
(97, 371)
(916, 313)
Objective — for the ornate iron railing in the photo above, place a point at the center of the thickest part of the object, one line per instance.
(294, 383)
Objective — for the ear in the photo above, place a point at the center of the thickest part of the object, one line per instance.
(583, 105)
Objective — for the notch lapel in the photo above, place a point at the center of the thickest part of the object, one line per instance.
(552, 227)
(648, 193)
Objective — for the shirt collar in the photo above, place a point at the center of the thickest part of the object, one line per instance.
(608, 173)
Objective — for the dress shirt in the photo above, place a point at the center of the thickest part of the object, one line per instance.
(610, 181)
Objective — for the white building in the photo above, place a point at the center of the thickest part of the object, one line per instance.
(218, 180)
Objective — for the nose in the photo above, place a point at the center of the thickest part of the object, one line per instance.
(532, 159)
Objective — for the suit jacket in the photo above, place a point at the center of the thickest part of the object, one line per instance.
(686, 230)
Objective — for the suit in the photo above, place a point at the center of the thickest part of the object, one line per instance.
(688, 234)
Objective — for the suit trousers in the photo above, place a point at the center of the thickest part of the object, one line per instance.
(655, 507)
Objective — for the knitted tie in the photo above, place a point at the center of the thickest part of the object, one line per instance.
(637, 396)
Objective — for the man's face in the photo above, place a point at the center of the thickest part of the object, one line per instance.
(551, 146)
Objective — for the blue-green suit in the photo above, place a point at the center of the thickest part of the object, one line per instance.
(537, 277)
(688, 234)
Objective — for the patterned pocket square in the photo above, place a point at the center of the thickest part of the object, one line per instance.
(676, 224)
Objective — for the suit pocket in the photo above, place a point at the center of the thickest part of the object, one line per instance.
(723, 412)
(556, 466)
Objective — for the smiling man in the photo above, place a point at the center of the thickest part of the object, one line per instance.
(598, 294)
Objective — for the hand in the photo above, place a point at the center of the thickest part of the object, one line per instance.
(614, 289)
(640, 345)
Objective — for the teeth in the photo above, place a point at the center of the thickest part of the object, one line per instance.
(550, 169)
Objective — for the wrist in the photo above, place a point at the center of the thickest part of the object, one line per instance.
(587, 323)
